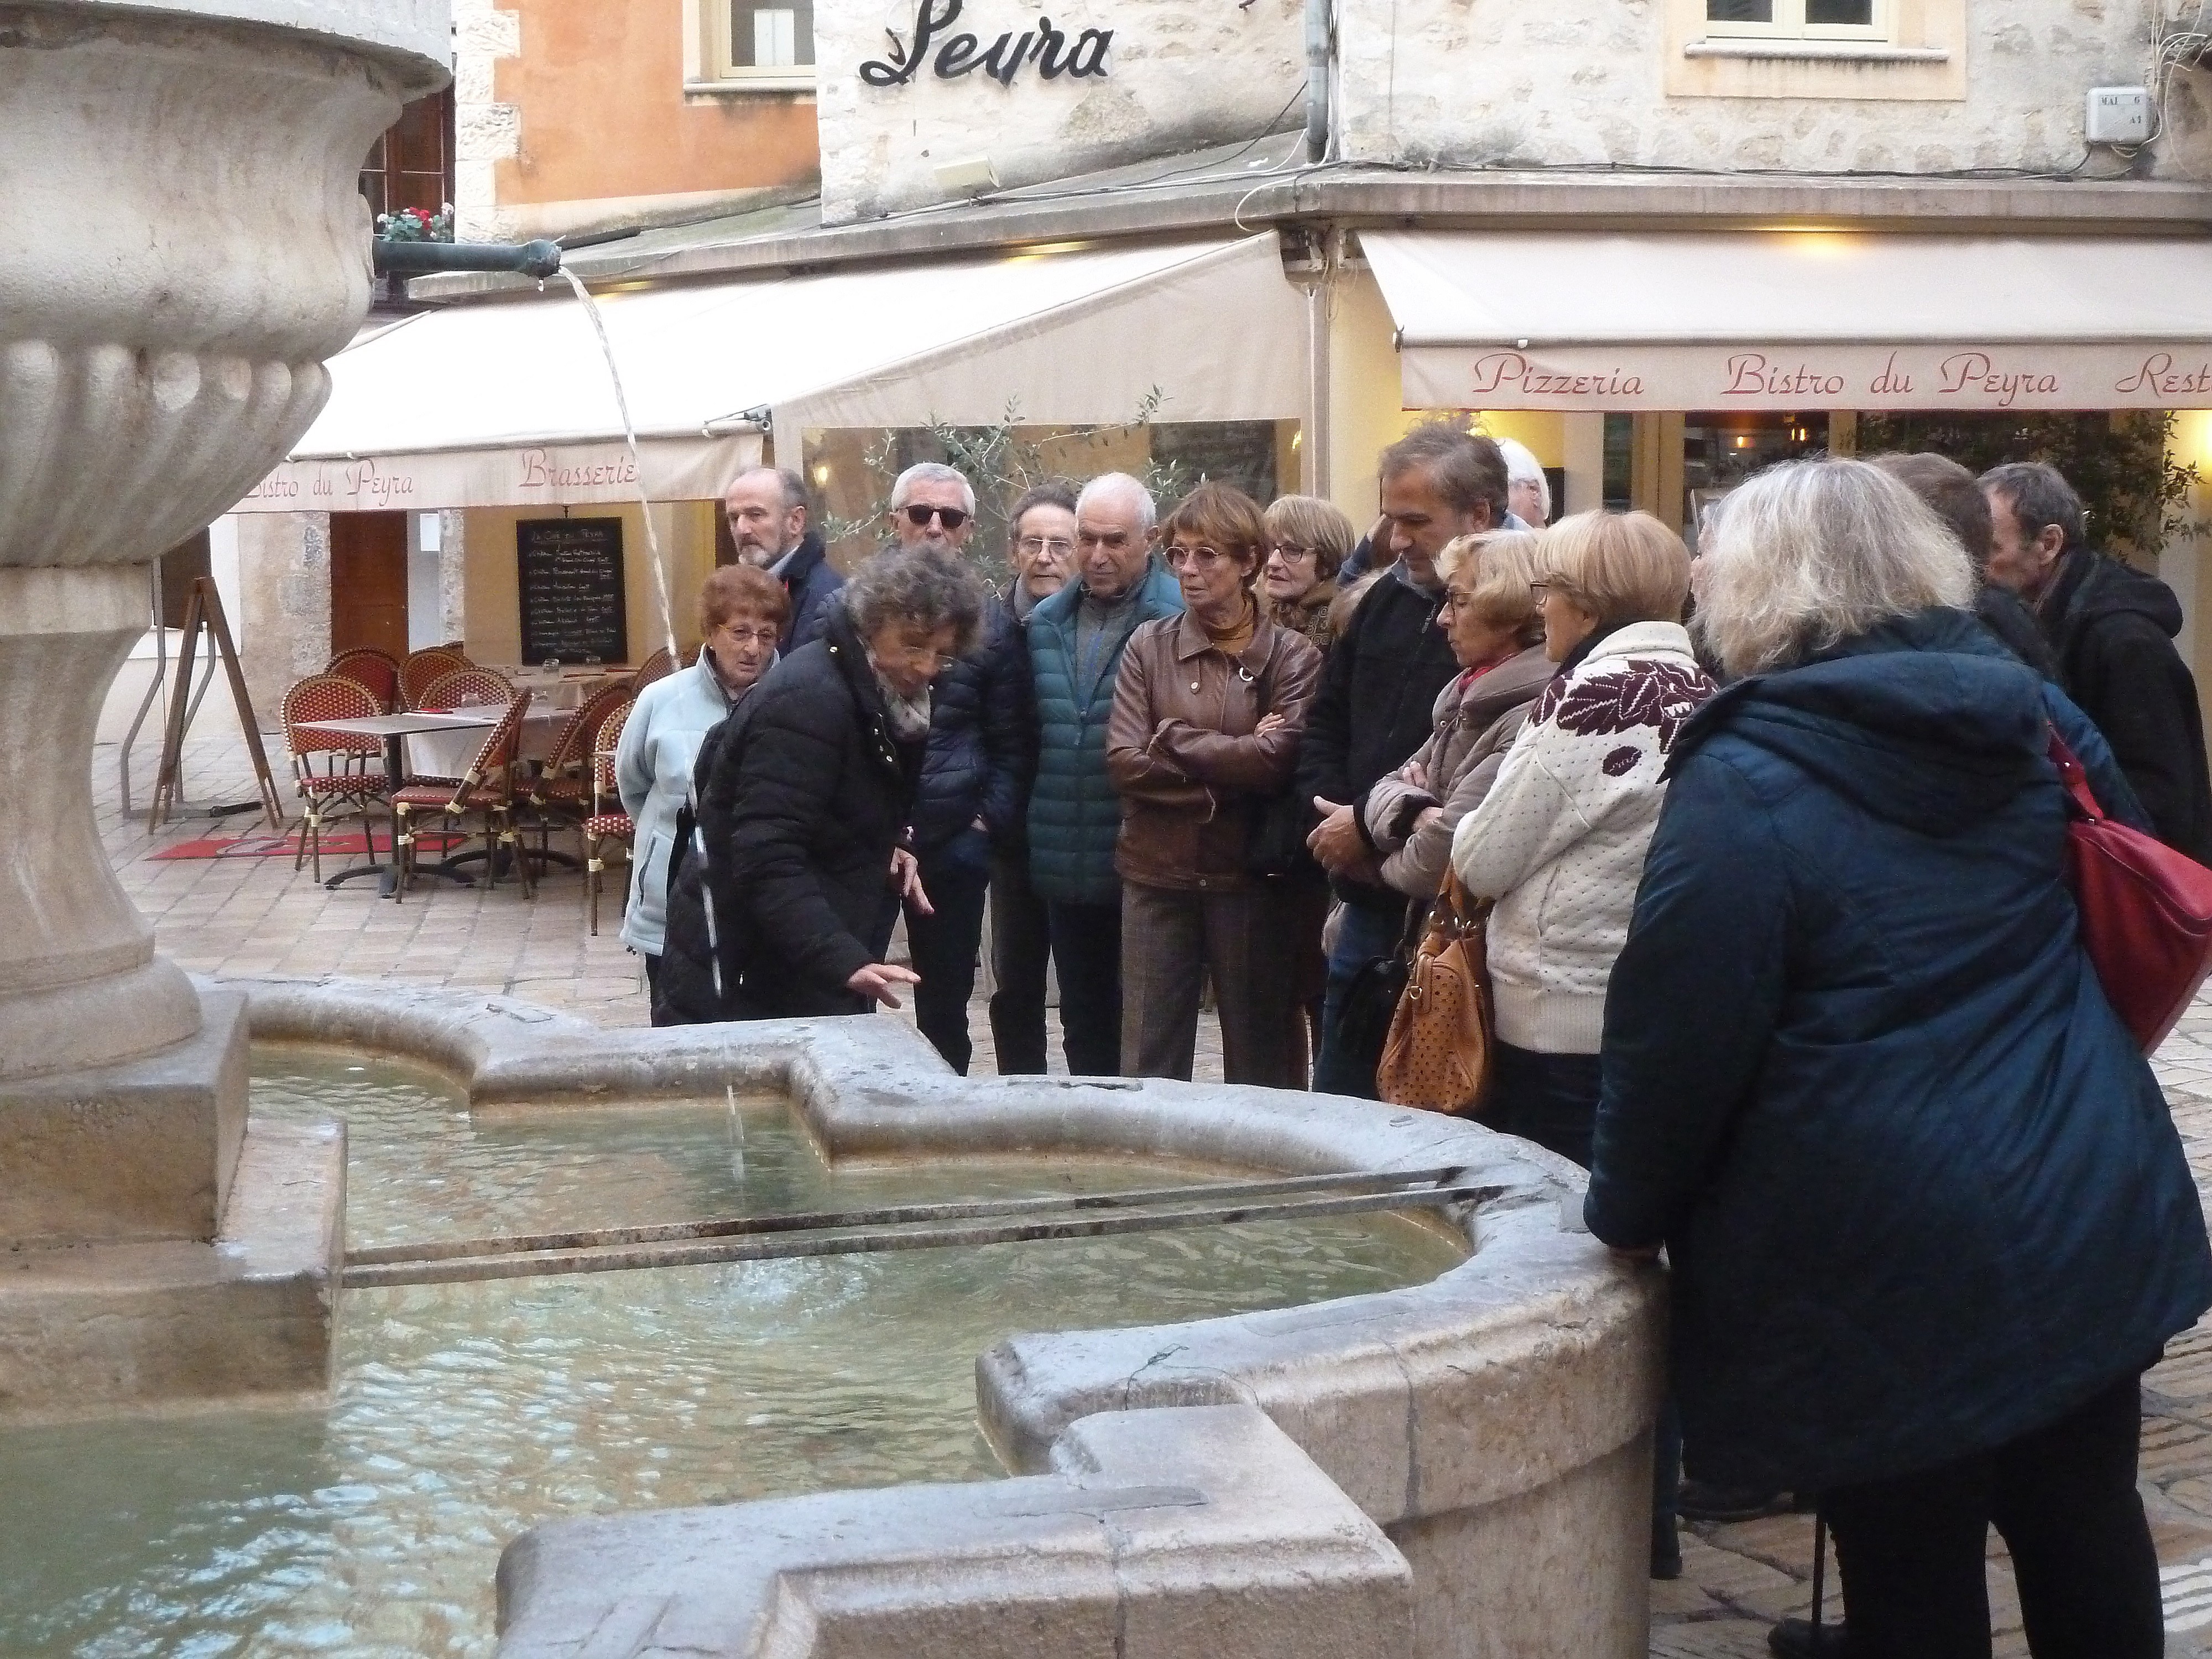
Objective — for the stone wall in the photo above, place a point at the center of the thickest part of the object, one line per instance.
(1177, 73)
(285, 601)
(1626, 82)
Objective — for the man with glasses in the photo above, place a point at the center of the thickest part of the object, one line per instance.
(1076, 639)
(975, 776)
(765, 508)
(1375, 698)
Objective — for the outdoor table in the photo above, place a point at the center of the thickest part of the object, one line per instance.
(395, 730)
(445, 750)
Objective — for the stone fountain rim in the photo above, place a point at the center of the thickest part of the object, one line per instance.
(1531, 1295)
(410, 37)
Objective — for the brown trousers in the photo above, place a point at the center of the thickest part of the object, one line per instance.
(1170, 938)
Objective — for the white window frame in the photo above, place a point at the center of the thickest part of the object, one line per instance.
(1789, 24)
(716, 72)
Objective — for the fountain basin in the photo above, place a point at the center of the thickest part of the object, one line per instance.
(1493, 1421)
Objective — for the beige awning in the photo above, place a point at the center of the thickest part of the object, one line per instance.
(509, 403)
(1797, 320)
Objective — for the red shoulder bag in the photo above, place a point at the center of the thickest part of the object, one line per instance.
(2146, 911)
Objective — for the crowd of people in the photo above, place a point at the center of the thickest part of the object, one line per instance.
(1779, 940)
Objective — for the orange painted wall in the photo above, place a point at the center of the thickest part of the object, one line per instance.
(600, 90)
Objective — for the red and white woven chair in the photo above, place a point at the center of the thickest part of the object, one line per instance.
(367, 666)
(564, 793)
(350, 774)
(486, 792)
(607, 822)
(658, 666)
(423, 668)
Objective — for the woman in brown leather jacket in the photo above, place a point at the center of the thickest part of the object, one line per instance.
(1208, 709)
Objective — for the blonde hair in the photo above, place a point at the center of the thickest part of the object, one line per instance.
(1501, 565)
(1811, 553)
(1620, 566)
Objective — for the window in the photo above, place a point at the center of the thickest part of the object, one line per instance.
(1798, 19)
(759, 40)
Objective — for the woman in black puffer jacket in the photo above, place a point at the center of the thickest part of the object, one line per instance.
(803, 802)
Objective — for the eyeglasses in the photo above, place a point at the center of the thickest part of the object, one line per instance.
(952, 517)
(923, 657)
(1198, 558)
(1057, 546)
(765, 637)
(1295, 554)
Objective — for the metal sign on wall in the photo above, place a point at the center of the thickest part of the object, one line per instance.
(948, 56)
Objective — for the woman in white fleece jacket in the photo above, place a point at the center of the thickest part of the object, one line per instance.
(1560, 841)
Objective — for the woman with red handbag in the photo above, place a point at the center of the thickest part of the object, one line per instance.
(1928, 1218)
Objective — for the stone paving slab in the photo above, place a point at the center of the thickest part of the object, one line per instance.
(254, 915)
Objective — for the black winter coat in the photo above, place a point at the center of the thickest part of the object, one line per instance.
(2112, 628)
(1378, 691)
(812, 584)
(803, 795)
(982, 741)
(1920, 1193)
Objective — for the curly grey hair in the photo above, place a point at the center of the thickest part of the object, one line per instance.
(913, 588)
(1810, 553)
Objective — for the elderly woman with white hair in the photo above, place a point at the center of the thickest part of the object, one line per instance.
(1928, 1218)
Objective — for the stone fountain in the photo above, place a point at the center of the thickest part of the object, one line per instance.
(186, 246)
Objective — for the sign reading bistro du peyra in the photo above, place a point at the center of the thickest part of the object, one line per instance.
(1048, 48)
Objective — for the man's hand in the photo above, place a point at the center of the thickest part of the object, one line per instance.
(1336, 841)
(877, 979)
(906, 882)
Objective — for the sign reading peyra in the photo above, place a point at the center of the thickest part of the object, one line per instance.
(1048, 48)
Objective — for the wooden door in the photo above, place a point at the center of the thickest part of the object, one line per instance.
(368, 582)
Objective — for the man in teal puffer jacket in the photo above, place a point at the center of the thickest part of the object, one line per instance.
(1075, 641)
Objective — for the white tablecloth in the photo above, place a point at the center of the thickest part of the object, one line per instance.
(447, 753)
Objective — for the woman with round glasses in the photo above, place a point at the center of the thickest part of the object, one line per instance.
(742, 610)
(1308, 540)
(1208, 709)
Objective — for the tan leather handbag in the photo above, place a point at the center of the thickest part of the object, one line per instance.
(1437, 1054)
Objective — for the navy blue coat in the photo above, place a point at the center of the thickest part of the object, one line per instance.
(1920, 1193)
(814, 584)
(1074, 814)
(982, 746)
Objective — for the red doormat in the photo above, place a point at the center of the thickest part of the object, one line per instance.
(350, 843)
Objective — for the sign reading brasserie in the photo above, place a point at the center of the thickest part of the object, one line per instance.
(958, 54)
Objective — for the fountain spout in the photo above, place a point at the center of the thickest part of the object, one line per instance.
(540, 260)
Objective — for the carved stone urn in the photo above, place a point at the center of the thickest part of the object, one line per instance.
(184, 245)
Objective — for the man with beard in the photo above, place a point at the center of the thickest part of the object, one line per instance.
(766, 508)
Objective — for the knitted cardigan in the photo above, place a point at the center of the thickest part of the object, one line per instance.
(1560, 839)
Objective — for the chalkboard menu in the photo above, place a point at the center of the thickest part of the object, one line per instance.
(571, 578)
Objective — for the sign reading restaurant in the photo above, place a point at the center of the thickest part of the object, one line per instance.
(1622, 379)
(957, 55)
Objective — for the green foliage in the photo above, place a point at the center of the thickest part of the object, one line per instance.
(413, 225)
(2138, 497)
(1004, 460)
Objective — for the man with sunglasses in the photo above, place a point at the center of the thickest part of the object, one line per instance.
(976, 774)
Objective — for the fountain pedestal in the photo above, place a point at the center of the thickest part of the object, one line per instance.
(187, 246)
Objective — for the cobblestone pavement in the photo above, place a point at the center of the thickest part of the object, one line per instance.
(254, 915)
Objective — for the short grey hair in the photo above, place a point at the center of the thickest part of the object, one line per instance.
(1522, 466)
(2039, 495)
(794, 486)
(913, 588)
(932, 472)
(1120, 483)
(1811, 553)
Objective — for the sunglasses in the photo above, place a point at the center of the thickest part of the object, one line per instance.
(952, 517)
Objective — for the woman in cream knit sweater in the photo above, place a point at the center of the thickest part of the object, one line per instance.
(1560, 839)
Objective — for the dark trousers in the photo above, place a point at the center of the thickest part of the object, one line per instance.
(1021, 946)
(943, 945)
(1086, 952)
(1365, 932)
(1910, 1550)
(1170, 938)
(651, 984)
(1551, 1099)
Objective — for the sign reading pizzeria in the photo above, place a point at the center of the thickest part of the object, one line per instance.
(957, 55)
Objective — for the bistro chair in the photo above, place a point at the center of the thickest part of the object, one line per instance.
(350, 775)
(485, 792)
(423, 668)
(562, 794)
(366, 666)
(658, 666)
(465, 687)
(608, 822)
